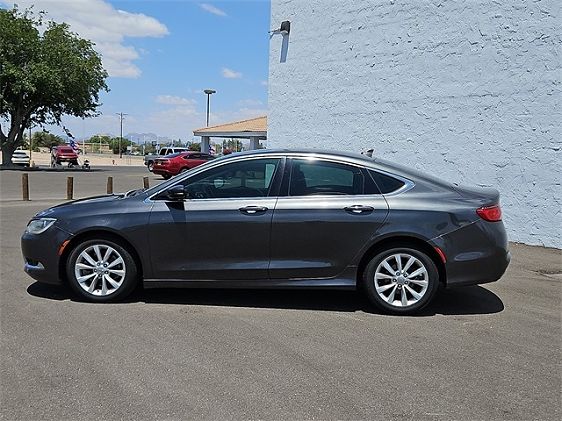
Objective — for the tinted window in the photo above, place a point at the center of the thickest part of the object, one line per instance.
(309, 177)
(386, 183)
(251, 178)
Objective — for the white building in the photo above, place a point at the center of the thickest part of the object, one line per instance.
(467, 90)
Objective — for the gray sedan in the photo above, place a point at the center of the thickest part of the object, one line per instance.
(277, 219)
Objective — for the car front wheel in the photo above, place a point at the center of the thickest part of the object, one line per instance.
(150, 166)
(401, 280)
(101, 270)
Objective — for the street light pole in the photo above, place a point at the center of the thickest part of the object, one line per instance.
(121, 115)
(209, 92)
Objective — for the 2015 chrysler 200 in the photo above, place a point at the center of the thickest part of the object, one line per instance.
(277, 219)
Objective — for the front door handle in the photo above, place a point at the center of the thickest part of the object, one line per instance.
(358, 209)
(252, 210)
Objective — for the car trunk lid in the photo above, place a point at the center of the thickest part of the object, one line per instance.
(484, 196)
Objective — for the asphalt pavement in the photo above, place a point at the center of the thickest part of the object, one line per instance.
(489, 352)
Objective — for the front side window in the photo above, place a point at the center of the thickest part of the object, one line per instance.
(250, 178)
(317, 177)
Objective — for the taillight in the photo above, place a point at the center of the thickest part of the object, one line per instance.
(490, 213)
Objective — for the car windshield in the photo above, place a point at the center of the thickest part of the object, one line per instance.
(173, 155)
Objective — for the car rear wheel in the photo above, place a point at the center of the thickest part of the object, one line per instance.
(184, 169)
(101, 270)
(401, 280)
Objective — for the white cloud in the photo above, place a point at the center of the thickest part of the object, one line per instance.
(212, 9)
(174, 100)
(230, 74)
(107, 27)
(263, 83)
(175, 122)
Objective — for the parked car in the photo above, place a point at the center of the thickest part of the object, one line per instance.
(149, 159)
(20, 157)
(61, 154)
(176, 163)
(277, 219)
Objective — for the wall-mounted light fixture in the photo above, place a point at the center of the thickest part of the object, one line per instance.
(283, 30)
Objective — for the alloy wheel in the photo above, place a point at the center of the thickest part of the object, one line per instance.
(401, 280)
(100, 270)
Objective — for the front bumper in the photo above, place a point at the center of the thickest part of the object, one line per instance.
(40, 254)
(476, 254)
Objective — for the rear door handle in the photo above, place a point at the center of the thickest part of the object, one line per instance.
(358, 209)
(252, 210)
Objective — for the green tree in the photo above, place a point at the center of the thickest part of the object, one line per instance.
(46, 139)
(43, 76)
(194, 147)
(114, 145)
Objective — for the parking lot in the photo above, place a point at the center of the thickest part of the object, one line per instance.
(478, 353)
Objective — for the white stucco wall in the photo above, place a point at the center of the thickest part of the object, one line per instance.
(467, 90)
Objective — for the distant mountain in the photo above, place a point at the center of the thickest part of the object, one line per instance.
(142, 137)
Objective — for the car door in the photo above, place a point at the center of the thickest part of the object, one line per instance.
(222, 231)
(325, 218)
(193, 160)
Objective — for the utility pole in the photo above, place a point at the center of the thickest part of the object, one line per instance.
(121, 115)
(30, 144)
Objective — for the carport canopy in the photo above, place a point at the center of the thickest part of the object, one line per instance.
(254, 129)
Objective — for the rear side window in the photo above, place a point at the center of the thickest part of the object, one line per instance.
(386, 183)
(316, 177)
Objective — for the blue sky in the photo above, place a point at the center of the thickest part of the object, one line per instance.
(161, 54)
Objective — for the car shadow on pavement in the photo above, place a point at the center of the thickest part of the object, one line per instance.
(454, 301)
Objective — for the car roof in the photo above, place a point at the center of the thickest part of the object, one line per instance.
(347, 156)
(374, 162)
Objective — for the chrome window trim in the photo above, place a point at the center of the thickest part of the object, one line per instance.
(408, 184)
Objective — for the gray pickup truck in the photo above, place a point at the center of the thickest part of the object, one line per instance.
(149, 159)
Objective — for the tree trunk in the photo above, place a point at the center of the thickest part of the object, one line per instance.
(13, 140)
(7, 151)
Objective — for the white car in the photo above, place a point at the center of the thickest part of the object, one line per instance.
(20, 157)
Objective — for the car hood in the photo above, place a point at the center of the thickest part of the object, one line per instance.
(88, 201)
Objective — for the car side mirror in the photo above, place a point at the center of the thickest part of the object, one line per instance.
(177, 193)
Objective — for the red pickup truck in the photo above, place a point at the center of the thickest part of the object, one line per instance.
(60, 154)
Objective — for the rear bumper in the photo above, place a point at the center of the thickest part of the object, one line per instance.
(476, 254)
(162, 171)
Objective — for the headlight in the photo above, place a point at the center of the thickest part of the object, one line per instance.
(37, 226)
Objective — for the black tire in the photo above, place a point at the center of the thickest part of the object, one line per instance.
(184, 169)
(368, 281)
(128, 283)
(166, 176)
(150, 166)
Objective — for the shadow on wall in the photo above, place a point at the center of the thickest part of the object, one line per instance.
(459, 301)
